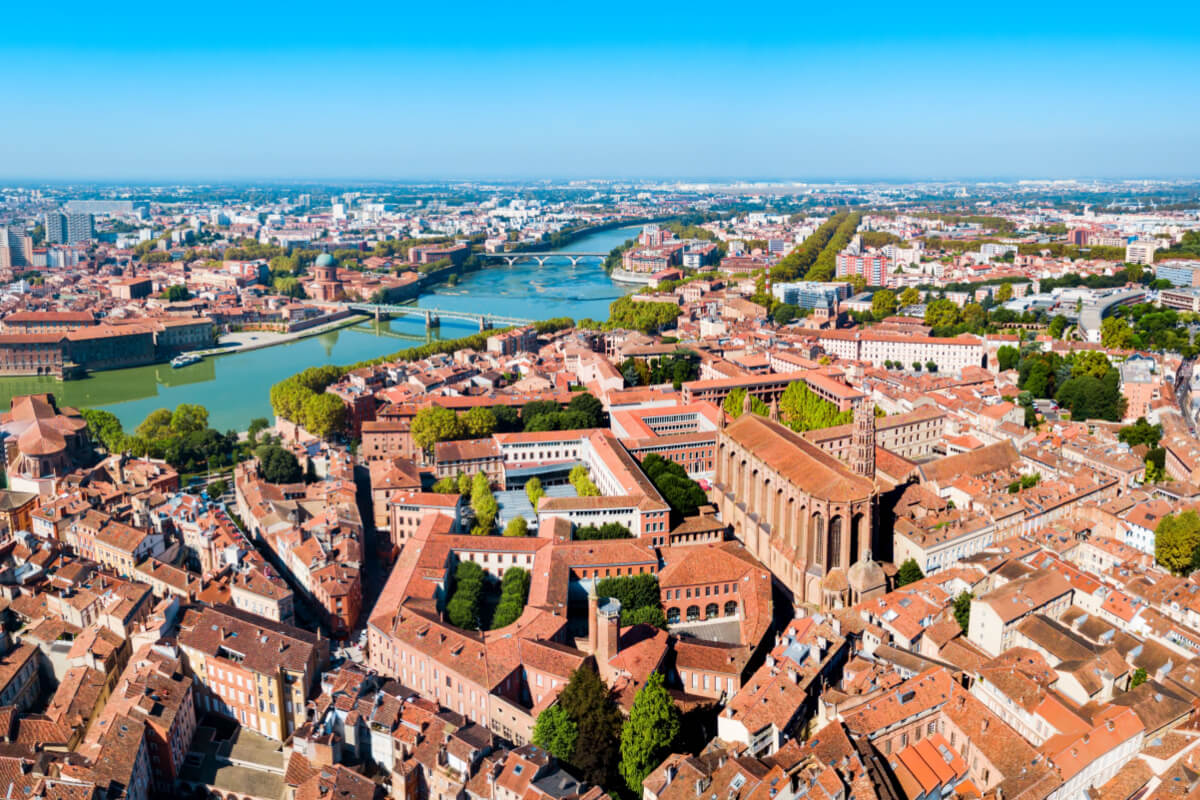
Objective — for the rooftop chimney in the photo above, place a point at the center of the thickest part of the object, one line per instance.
(608, 625)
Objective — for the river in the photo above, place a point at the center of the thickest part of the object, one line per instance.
(235, 387)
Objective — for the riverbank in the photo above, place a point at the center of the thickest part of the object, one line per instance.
(246, 341)
(235, 382)
(566, 239)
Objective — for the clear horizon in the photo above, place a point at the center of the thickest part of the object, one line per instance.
(875, 92)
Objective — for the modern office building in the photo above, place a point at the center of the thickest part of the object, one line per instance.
(16, 248)
(812, 295)
(1179, 272)
(73, 228)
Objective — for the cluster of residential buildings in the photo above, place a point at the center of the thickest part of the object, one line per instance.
(895, 583)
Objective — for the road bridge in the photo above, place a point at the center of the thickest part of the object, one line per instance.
(540, 258)
(434, 316)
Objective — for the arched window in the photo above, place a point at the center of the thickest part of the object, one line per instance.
(693, 613)
(835, 542)
(731, 608)
(672, 615)
(711, 610)
(857, 538)
(818, 532)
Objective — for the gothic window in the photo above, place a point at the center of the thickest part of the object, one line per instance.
(835, 542)
(818, 528)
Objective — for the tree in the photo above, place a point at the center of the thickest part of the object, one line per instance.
(646, 615)
(534, 491)
(508, 419)
(1175, 538)
(591, 408)
(910, 297)
(177, 293)
(579, 478)
(278, 465)
(484, 504)
(324, 414)
(1031, 417)
(535, 408)
(464, 483)
(682, 493)
(1141, 432)
(648, 317)
(931, 366)
(446, 485)
(1139, 677)
(962, 610)
(517, 526)
(257, 426)
(736, 399)
(555, 732)
(783, 314)
(650, 732)
(632, 591)
(514, 591)
(1115, 334)
(1007, 357)
(941, 313)
(1058, 326)
(156, 425)
(189, 418)
(558, 421)
(289, 286)
(883, 303)
(1088, 397)
(909, 572)
(589, 703)
(973, 315)
(1090, 362)
(479, 422)
(1004, 293)
(217, 488)
(435, 424)
(916, 365)
(462, 609)
(1156, 466)
(105, 428)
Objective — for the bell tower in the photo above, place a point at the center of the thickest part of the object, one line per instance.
(863, 442)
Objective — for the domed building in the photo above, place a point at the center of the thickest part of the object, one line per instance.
(41, 442)
(326, 287)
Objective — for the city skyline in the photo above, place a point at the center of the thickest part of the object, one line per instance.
(261, 93)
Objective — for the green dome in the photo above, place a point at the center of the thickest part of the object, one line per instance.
(324, 260)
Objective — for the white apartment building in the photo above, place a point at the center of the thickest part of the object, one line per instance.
(950, 355)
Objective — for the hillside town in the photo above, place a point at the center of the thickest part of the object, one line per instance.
(846, 495)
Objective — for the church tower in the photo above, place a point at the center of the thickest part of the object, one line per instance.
(863, 443)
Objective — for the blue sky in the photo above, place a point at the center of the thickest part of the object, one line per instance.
(222, 90)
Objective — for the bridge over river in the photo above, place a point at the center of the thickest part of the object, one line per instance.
(573, 256)
(434, 316)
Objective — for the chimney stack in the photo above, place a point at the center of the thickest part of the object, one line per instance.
(608, 624)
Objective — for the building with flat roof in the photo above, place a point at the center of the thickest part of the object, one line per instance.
(1179, 272)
